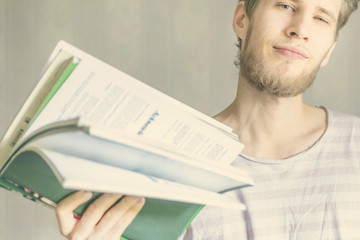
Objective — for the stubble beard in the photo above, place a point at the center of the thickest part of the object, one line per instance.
(265, 77)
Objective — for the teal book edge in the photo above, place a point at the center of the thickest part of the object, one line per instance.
(69, 69)
(159, 219)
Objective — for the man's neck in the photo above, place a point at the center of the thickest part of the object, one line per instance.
(272, 127)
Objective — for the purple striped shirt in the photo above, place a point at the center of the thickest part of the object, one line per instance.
(313, 195)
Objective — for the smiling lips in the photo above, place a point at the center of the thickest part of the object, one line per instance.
(292, 52)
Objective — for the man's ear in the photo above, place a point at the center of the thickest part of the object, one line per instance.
(327, 57)
(241, 21)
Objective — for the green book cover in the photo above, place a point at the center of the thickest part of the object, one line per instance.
(159, 219)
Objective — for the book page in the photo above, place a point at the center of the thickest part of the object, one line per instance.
(62, 45)
(109, 97)
(101, 178)
(139, 156)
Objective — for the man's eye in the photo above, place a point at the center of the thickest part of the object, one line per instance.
(286, 6)
(321, 19)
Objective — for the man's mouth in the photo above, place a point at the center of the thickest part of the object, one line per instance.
(292, 52)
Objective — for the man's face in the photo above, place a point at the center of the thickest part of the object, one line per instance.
(286, 42)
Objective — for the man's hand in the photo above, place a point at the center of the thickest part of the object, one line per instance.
(105, 218)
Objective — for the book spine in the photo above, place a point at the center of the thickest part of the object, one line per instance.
(23, 118)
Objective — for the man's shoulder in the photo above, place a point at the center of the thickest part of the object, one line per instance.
(342, 117)
(343, 122)
(343, 132)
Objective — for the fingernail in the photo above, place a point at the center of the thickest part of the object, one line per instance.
(141, 200)
(87, 194)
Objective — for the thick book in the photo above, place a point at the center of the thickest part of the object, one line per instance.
(89, 126)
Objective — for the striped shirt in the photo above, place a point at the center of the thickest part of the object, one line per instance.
(313, 195)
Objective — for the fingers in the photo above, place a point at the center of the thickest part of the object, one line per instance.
(118, 218)
(93, 214)
(64, 211)
(105, 218)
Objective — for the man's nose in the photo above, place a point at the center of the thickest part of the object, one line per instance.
(299, 27)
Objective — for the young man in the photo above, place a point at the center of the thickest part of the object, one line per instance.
(305, 160)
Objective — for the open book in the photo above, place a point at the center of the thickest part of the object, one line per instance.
(89, 126)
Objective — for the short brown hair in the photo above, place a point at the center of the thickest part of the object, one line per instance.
(347, 8)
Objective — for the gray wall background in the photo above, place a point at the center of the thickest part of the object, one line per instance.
(184, 48)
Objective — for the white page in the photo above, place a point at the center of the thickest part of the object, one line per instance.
(145, 159)
(80, 174)
(62, 45)
(107, 96)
